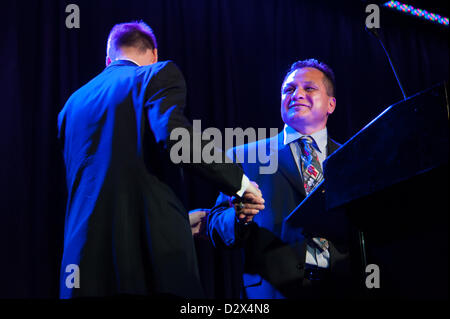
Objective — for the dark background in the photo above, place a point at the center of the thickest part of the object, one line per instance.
(234, 55)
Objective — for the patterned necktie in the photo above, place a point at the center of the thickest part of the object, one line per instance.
(311, 168)
(312, 175)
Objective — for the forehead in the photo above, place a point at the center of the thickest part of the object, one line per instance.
(306, 74)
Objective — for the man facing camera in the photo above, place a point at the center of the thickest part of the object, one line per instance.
(126, 230)
(274, 268)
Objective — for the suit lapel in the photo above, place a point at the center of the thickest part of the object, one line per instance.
(288, 167)
(332, 146)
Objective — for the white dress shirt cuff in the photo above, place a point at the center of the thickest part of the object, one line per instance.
(244, 184)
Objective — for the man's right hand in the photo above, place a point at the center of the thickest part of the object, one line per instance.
(249, 204)
(254, 189)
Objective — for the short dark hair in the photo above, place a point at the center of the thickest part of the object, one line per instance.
(330, 83)
(135, 34)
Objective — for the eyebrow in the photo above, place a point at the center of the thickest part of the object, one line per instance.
(304, 83)
(309, 83)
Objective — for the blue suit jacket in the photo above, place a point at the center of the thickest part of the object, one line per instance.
(273, 268)
(126, 227)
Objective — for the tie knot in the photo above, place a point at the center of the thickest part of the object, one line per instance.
(307, 139)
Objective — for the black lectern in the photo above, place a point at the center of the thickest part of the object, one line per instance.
(389, 185)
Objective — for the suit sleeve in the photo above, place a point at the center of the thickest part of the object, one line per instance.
(223, 228)
(165, 98)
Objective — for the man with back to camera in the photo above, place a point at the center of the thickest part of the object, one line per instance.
(273, 267)
(125, 228)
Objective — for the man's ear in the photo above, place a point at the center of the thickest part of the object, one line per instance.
(155, 54)
(108, 60)
(331, 105)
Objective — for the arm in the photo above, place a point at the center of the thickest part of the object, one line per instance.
(164, 103)
(229, 223)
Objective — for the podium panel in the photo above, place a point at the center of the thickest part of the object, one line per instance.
(386, 191)
(408, 138)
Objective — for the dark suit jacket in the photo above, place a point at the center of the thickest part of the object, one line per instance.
(273, 268)
(125, 227)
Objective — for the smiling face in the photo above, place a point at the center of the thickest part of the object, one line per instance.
(305, 103)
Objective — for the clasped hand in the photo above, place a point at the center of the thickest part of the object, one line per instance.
(247, 206)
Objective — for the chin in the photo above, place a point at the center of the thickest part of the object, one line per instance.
(296, 118)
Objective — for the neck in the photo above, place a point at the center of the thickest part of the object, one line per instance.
(308, 130)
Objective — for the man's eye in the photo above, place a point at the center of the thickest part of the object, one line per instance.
(309, 89)
(288, 90)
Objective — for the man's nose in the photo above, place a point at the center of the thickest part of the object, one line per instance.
(299, 93)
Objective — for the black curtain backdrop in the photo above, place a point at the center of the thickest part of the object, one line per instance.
(233, 53)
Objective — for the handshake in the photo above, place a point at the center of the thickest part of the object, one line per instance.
(247, 206)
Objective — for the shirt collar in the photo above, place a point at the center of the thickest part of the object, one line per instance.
(128, 59)
(123, 61)
(320, 137)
